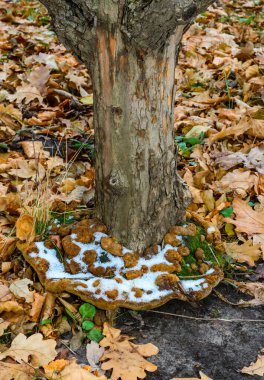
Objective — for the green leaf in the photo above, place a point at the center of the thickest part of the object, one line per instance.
(87, 325)
(227, 212)
(95, 335)
(87, 310)
(45, 322)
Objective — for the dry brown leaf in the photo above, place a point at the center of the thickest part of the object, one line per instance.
(124, 358)
(48, 310)
(26, 94)
(93, 354)
(238, 180)
(70, 371)
(254, 289)
(38, 78)
(12, 306)
(34, 149)
(5, 294)
(202, 377)
(25, 227)
(7, 246)
(3, 326)
(20, 289)
(257, 367)
(37, 305)
(244, 253)
(28, 169)
(259, 239)
(254, 159)
(41, 351)
(247, 220)
(14, 371)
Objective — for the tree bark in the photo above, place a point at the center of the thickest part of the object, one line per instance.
(130, 49)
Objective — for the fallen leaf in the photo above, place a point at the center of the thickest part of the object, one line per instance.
(243, 253)
(202, 377)
(75, 371)
(252, 160)
(12, 306)
(3, 326)
(20, 289)
(26, 93)
(34, 149)
(247, 220)
(254, 289)
(259, 239)
(36, 308)
(28, 169)
(257, 367)
(41, 351)
(7, 246)
(125, 358)
(55, 366)
(14, 371)
(25, 227)
(38, 78)
(239, 181)
(93, 354)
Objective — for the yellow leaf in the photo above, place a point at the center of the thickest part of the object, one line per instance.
(10, 306)
(244, 253)
(87, 100)
(25, 227)
(133, 365)
(247, 220)
(256, 368)
(41, 351)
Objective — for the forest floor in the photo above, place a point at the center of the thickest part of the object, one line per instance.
(46, 174)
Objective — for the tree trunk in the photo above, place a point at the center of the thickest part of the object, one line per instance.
(130, 49)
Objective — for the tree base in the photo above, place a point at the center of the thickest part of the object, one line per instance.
(101, 271)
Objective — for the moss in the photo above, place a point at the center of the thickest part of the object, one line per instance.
(199, 241)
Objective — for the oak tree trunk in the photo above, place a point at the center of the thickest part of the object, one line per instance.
(130, 48)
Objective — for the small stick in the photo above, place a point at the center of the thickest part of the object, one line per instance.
(206, 319)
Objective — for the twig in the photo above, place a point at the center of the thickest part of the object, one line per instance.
(235, 320)
(73, 352)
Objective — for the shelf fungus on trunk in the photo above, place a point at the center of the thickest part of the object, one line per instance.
(96, 267)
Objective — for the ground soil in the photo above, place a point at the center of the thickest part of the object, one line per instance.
(219, 349)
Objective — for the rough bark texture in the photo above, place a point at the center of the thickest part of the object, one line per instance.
(130, 49)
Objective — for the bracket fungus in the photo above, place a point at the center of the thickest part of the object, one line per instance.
(98, 269)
